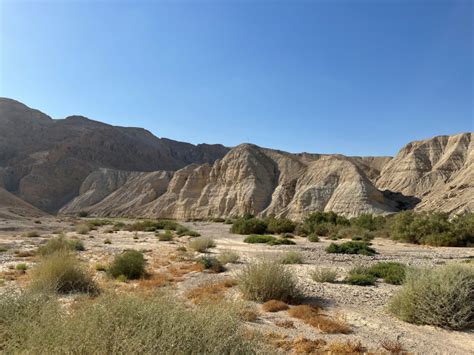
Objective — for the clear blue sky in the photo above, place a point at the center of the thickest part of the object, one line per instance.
(352, 77)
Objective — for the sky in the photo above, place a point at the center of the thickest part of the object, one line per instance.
(352, 77)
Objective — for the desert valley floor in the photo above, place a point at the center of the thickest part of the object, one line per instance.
(172, 267)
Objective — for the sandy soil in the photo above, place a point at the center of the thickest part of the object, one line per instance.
(363, 308)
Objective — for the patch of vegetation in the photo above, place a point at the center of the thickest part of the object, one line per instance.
(62, 273)
(361, 248)
(433, 229)
(321, 223)
(130, 263)
(211, 263)
(107, 241)
(324, 275)
(281, 241)
(83, 214)
(94, 223)
(265, 280)
(153, 225)
(311, 316)
(201, 244)
(280, 225)
(360, 276)
(248, 226)
(60, 243)
(121, 323)
(292, 257)
(165, 237)
(82, 228)
(274, 306)
(182, 231)
(369, 222)
(313, 238)
(442, 297)
(391, 272)
(259, 239)
(228, 257)
(32, 234)
(21, 267)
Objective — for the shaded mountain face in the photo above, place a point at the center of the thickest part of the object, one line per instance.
(44, 161)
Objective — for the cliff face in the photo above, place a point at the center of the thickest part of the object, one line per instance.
(439, 171)
(253, 180)
(44, 161)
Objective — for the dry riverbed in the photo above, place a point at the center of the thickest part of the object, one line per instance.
(362, 308)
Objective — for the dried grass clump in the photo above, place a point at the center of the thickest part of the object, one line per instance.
(82, 229)
(441, 296)
(32, 234)
(324, 275)
(292, 257)
(300, 345)
(62, 273)
(348, 347)
(311, 315)
(228, 257)
(211, 292)
(127, 324)
(288, 324)
(201, 244)
(267, 279)
(60, 244)
(274, 306)
(392, 346)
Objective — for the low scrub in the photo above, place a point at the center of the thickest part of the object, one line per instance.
(128, 324)
(152, 225)
(165, 237)
(323, 275)
(321, 223)
(265, 280)
(326, 324)
(211, 263)
(360, 278)
(313, 238)
(391, 272)
(60, 244)
(442, 296)
(202, 244)
(280, 225)
(361, 248)
(62, 273)
(228, 257)
(130, 264)
(281, 241)
(82, 228)
(274, 306)
(292, 257)
(32, 234)
(259, 239)
(248, 226)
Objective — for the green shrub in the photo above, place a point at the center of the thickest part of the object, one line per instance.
(265, 280)
(280, 225)
(60, 243)
(3, 249)
(32, 234)
(360, 276)
(313, 238)
(391, 272)
(21, 267)
(248, 226)
(82, 228)
(323, 275)
(433, 229)
(201, 244)
(82, 214)
(218, 220)
(62, 273)
(361, 248)
(228, 257)
(281, 241)
(369, 222)
(441, 296)
(257, 238)
(292, 257)
(130, 263)
(211, 263)
(94, 223)
(121, 323)
(321, 223)
(118, 226)
(165, 237)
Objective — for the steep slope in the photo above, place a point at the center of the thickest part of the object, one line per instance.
(44, 161)
(249, 179)
(439, 171)
(11, 207)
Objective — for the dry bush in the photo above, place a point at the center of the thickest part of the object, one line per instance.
(392, 346)
(62, 273)
(292, 257)
(125, 324)
(323, 275)
(347, 347)
(210, 292)
(82, 229)
(228, 257)
(201, 244)
(60, 244)
(441, 296)
(267, 279)
(300, 345)
(248, 313)
(326, 324)
(32, 234)
(154, 281)
(288, 324)
(24, 253)
(274, 306)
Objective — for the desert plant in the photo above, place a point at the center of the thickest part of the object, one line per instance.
(228, 257)
(313, 238)
(107, 241)
(121, 323)
(130, 263)
(31, 234)
(292, 257)
(369, 222)
(82, 228)
(281, 241)
(311, 316)
(211, 263)
(361, 248)
(60, 243)
(165, 237)
(280, 225)
(248, 226)
(62, 273)
(201, 244)
(82, 214)
(267, 279)
(21, 267)
(360, 276)
(258, 239)
(274, 306)
(441, 296)
(391, 272)
(323, 275)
